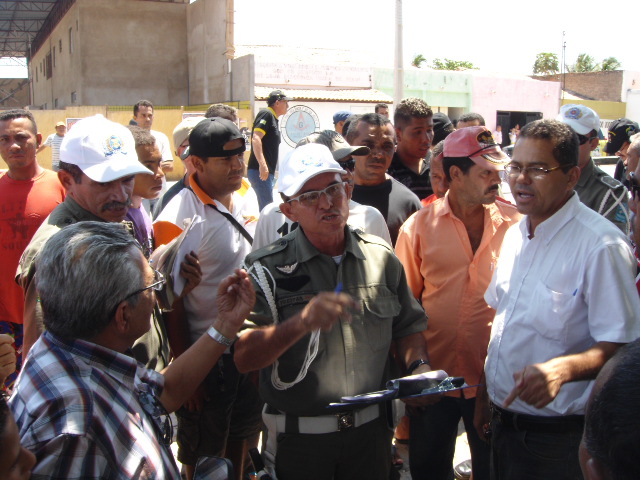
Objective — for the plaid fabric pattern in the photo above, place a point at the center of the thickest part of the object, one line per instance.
(78, 410)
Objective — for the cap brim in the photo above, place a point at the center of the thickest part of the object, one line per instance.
(113, 170)
(612, 147)
(494, 160)
(341, 153)
(295, 188)
(577, 126)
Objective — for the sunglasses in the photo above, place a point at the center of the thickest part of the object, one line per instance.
(582, 139)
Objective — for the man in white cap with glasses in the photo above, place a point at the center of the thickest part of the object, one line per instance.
(273, 224)
(597, 190)
(330, 300)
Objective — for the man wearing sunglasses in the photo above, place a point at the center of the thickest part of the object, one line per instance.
(329, 302)
(565, 300)
(83, 405)
(596, 189)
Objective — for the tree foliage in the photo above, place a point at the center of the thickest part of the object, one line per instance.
(546, 64)
(418, 60)
(448, 64)
(584, 63)
(609, 64)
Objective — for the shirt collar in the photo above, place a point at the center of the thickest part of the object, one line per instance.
(121, 367)
(305, 250)
(552, 225)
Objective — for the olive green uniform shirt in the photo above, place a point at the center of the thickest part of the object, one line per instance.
(353, 358)
(604, 194)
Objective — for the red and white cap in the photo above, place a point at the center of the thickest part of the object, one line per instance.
(478, 144)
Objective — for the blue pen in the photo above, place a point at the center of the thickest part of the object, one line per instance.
(338, 288)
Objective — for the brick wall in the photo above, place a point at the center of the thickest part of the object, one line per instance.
(602, 86)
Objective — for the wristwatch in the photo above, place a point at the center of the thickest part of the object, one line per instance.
(415, 364)
(218, 337)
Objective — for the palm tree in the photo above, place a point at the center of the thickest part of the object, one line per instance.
(418, 60)
(609, 64)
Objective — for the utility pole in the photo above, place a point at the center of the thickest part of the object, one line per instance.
(563, 67)
(398, 72)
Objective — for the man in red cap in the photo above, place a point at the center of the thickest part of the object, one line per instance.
(448, 250)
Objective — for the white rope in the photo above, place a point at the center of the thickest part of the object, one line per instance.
(314, 340)
(618, 201)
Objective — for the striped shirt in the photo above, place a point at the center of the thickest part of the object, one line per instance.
(79, 408)
(54, 140)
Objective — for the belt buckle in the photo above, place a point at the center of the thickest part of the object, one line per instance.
(346, 421)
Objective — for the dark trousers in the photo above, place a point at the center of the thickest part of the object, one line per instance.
(534, 455)
(432, 440)
(360, 453)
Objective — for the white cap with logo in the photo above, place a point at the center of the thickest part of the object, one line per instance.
(582, 119)
(104, 150)
(302, 164)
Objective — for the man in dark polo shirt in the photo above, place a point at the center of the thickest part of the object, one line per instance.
(265, 142)
(413, 121)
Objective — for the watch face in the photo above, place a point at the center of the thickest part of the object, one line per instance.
(299, 122)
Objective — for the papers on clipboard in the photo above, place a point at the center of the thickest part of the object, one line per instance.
(429, 383)
(167, 259)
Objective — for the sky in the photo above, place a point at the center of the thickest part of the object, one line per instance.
(496, 36)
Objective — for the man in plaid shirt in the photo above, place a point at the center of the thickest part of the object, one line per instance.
(83, 406)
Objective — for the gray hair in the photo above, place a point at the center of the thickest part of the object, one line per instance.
(83, 273)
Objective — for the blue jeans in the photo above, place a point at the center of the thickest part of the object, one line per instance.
(263, 188)
(432, 440)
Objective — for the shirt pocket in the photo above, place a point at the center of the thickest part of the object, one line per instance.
(379, 310)
(553, 312)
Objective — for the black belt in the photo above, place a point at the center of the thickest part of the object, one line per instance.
(534, 423)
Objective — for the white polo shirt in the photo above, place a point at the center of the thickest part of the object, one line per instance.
(569, 287)
(223, 247)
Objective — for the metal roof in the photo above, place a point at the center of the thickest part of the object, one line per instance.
(20, 22)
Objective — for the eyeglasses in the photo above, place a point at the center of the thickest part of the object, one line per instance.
(311, 199)
(533, 172)
(349, 164)
(634, 185)
(583, 139)
(158, 285)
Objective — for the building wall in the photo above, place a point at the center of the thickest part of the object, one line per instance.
(602, 86)
(517, 94)
(123, 50)
(209, 78)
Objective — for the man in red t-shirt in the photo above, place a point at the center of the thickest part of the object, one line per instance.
(28, 193)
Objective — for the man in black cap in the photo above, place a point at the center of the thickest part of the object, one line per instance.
(618, 143)
(442, 127)
(265, 142)
(206, 422)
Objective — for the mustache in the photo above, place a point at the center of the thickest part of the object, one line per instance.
(493, 187)
(116, 205)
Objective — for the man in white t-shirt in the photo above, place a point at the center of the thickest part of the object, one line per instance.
(143, 114)
(54, 140)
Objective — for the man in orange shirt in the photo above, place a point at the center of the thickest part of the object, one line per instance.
(449, 250)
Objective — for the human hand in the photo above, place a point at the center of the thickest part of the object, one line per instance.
(166, 166)
(482, 414)
(190, 270)
(7, 357)
(264, 172)
(196, 402)
(327, 308)
(536, 384)
(235, 300)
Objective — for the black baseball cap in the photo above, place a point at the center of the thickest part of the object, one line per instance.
(277, 95)
(212, 136)
(619, 132)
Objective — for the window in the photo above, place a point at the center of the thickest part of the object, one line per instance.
(55, 103)
(60, 46)
(70, 40)
(74, 97)
(54, 56)
(47, 66)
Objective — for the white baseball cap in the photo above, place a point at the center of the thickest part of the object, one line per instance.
(582, 119)
(104, 150)
(302, 164)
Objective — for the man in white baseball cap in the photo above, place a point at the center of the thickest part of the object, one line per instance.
(98, 163)
(596, 189)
